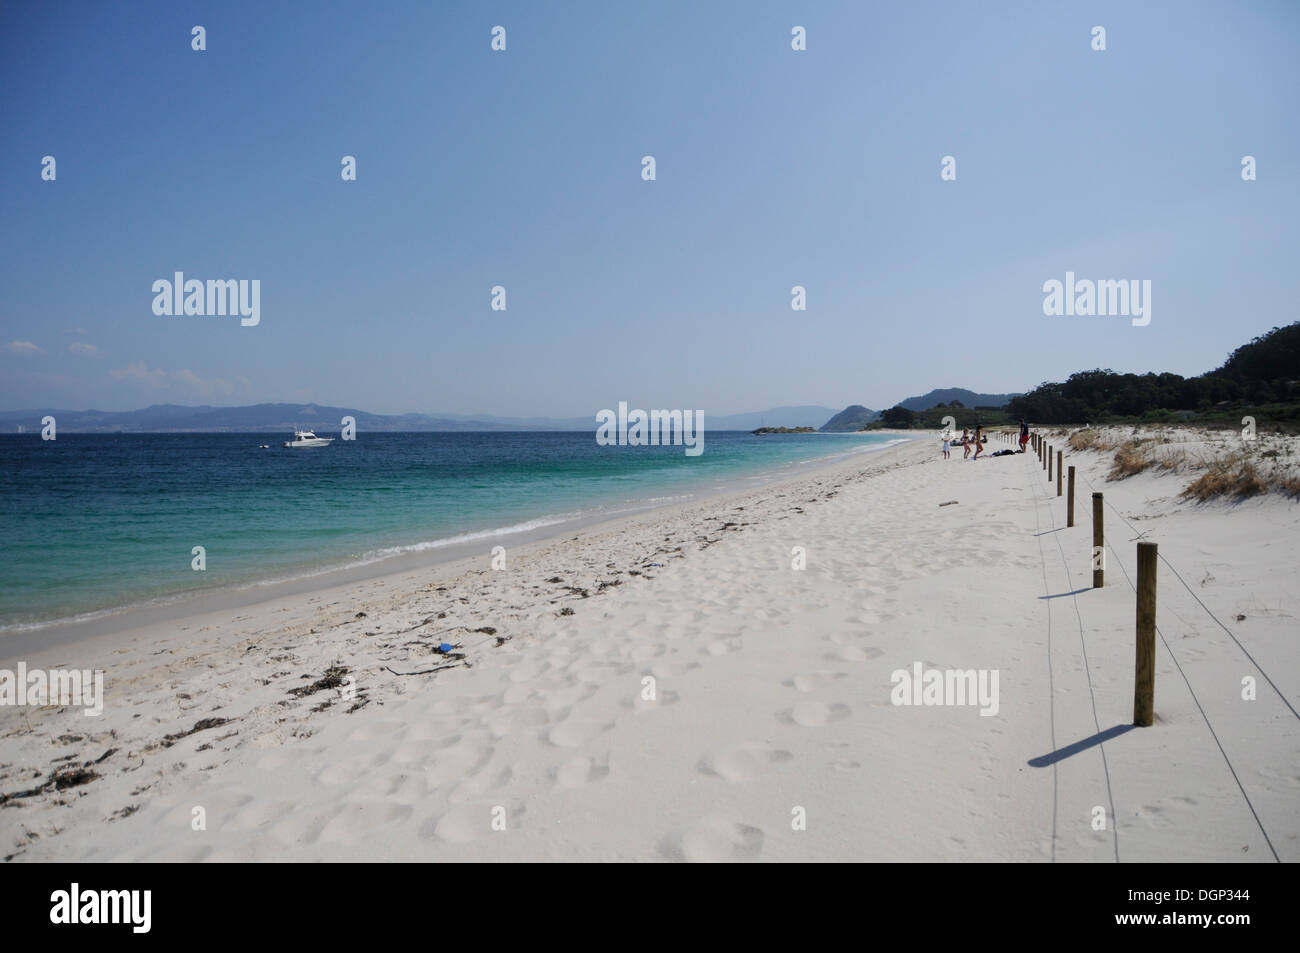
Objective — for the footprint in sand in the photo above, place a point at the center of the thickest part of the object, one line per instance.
(851, 653)
(672, 669)
(565, 697)
(573, 733)
(745, 762)
(302, 827)
(352, 821)
(400, 788)
(215, 804)
(577, 772)
(863, 619)
(724, 646)
(516, 694)
(812, 714)
(463, 705)
(526, 671)
(345, 772)
(262, 812)
(598, 672)
(466, 822)
(392, 730)
(477, 786)
(1155, 817)
(457, 759)
(715, 840)
(282, 756)
(663, 699)
(514, 720)
(436, 729)
(602, 647)
(855, 637)
(814, 681)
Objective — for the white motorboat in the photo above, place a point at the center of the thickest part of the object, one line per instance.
(305, 438)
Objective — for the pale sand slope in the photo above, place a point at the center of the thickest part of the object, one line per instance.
(773, 693)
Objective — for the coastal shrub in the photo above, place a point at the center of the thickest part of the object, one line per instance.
(1235, 476)
(1131, 458)
(1084, 439)
(1171, 461)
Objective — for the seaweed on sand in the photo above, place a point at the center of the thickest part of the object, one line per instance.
(332, 678)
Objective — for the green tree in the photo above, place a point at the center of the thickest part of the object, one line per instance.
(898, 418)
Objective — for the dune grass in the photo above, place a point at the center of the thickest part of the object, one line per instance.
(1131, 458)
(1235, 477)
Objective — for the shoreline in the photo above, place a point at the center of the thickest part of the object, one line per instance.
(60, 635)
(101, 623)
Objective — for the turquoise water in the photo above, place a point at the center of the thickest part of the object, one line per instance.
(93, 522)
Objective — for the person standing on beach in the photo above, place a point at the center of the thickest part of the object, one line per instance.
(979, 441)
(965, 443)
(947, 442)
(1024, 434)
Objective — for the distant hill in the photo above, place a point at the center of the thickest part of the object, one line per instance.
(776, 417)
(1259, 379)
(850, 419)
(279, 418)
(947, 395)
(1270, 357)
(282, 418)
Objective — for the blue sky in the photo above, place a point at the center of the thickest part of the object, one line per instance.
(523, 169)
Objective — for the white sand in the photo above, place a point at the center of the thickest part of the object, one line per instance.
(772, 692)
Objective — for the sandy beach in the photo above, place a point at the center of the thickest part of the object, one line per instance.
(715, 682)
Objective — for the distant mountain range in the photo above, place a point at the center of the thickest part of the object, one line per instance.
(856, 417)
(947, 395)
(283, 418)
(176, 418)
(851, 419)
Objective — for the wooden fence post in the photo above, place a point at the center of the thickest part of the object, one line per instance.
(1058, 472)
(1069, 501)
(1144, 674)
(1098, 544)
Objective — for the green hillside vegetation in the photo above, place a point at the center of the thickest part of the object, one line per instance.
(1260, 379)
(900, 418)
(948, 396)
(852, 418)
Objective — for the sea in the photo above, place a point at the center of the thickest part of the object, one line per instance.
(94, 524)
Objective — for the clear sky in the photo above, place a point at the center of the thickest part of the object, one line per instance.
(522, 168)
